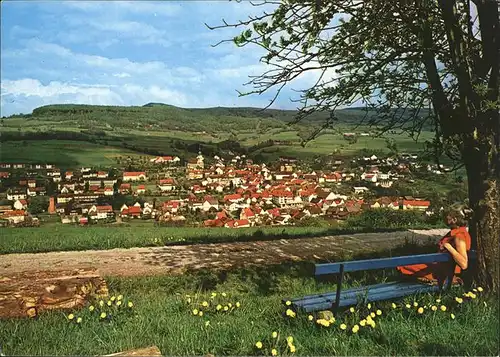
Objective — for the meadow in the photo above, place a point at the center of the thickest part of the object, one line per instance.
(165, 312)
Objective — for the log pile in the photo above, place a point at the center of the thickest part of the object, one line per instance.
(28, 294)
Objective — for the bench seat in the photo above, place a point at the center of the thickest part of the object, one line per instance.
(351, 297)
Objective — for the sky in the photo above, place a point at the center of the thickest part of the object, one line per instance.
(128, 53)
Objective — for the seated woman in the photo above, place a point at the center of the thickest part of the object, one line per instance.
(457, 242)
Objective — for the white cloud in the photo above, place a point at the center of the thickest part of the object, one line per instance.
(121, 75)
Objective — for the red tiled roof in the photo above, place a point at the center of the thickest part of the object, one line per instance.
(134, 173)
(416, 203)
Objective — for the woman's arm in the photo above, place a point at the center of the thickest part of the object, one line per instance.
(460, 253)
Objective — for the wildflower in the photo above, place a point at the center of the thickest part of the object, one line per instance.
(343, 326)
(475, 290)
(332, 320)
(71, 317)
(472, 295)
(258, 345)
(393, 305)
(120, 297)
(362, 323)
(292, 349)
(415, 304)
(480, 289)
(443, 308)
(204, 304)
(200, 313)
(408, 306)
(224, 294)
(79, 320)
(289, 340)
(91, 308)
(379, 312)
(372, 314)
(238, 304)
(130, 304)
(219, 307)
(207, 323)
(195, 312)
(274, 334)
(351, 309)
(452, 316)
(369, 306)
(290, 313)
(434, 308)
(323, 322)
(110, 302)
(103, 315)
(226, 308)
(101, 303)
(118, 303)
(288, 303)
(355, 329)
(372, 324)
(420, 310)
(214, 295)
(113, 298)
(459, 300)
(230, 305)
(310, 317)
(438, 301)
(274, 352)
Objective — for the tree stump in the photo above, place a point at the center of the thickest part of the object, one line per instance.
(28, 294)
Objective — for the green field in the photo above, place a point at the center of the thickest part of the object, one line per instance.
(161, 315)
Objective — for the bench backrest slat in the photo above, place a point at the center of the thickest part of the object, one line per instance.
(371, 264)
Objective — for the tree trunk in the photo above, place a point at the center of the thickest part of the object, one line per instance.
(484, 198)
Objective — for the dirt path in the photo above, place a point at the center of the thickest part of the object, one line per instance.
(176, 259)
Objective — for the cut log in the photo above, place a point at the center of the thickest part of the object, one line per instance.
(27, 294)
(148, 351)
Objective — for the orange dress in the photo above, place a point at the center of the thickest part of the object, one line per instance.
(437, 272)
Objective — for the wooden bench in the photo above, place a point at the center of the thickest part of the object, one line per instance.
(385, 291)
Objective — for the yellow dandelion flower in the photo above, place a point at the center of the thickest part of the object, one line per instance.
(351, 309)
(258, 344)
(472, 295)
(230, 305)
(332, 320)
(452, 316)
(224, 294)
(408, 306)
(475, 290)
(362, 323)
(415, 304)
(368, 318)
(71, 317)
(120, 297)
(219, 307)
(292, 349)
(214, 295)
(289, 339)
(438, 301)
(290, 313)
(79, 320)
(274, 334)
(369, 306)
(274, 352)
(238, 304)
(372, 314)
(459, 300)
(434, 308)
(204, 304)
(343, 326)
(200, 313)
(91, 308)
(323, 322)
(195, 312)
(118, 303)
(372, 324)
(393, 305)
(310, 317)
(288, 303)
(109, 303)
(113, 298)
(480, 289)
(103, 315)
(101, 303)
(130, 304)
(443, 308)
(226, 308)
(379, 312)
(420, 310)
(355, 329)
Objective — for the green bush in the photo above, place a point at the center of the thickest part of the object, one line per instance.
(387, 218)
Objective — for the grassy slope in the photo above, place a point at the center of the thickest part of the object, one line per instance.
(162, 317)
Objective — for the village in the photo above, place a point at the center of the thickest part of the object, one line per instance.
(232, 193)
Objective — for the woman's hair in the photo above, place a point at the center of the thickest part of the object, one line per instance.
(460, 213)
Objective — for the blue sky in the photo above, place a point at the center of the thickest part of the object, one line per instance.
(127, 53)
